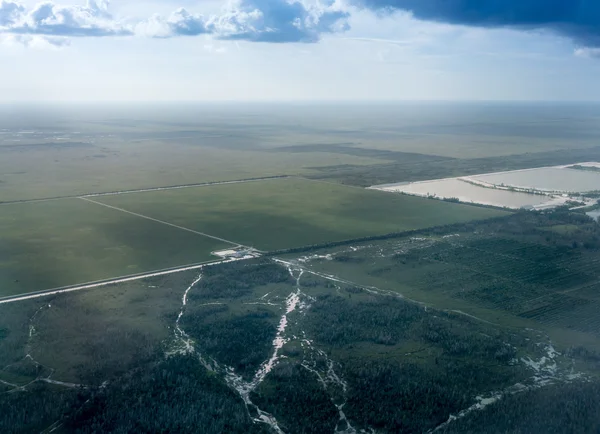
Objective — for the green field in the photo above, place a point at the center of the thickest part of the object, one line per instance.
(64, 242)
(287, 213)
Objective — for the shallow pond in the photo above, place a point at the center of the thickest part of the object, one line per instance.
(546, 178)
(465, 192)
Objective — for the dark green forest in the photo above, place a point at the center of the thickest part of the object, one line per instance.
(573, 408)
(174, 395)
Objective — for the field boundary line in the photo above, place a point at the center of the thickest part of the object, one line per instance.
(177, 187)
(163, 222)
(112, 281)
(324, 181)
(142, 190)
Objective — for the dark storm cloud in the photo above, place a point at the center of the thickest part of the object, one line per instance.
(577, 19)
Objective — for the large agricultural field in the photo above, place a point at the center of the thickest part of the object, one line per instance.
(62, 242)
(288, 213)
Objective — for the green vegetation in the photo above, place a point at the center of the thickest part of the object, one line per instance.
(224, 325)
(90, 336)
(393, 354)
(306, 406)
(172, 395)
(78, 150)
(285, 213)
(112, 164)
(415, 367)
(559, 408)
(242, 341)
(230, 281)
(87, 337)
(405, 170)
(369, 311)
(37, 409)
(64, 242)
(532, 269)
(389, 363)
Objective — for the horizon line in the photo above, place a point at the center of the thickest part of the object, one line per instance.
(301, 101)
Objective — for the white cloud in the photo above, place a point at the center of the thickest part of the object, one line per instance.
(10, 12)
(215, 49)
(47, 18)
(588, 53)
(179, 23)
(35, 41)
(251, 20)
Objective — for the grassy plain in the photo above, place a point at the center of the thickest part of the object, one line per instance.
(69, 241)
(406, 167)
(71, 150)
(463, 130)
(286, 213)
(116, 164)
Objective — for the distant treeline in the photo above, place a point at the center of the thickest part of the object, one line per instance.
(519, 222)
(408, 169)
(455, 227)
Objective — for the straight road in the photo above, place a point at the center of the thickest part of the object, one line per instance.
(113, 281)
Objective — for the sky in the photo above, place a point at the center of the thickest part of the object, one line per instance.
(309, 50)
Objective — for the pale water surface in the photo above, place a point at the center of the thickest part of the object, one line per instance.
(546, 178)
(465, 192)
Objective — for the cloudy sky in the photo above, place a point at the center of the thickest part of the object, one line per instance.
(205, 50)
